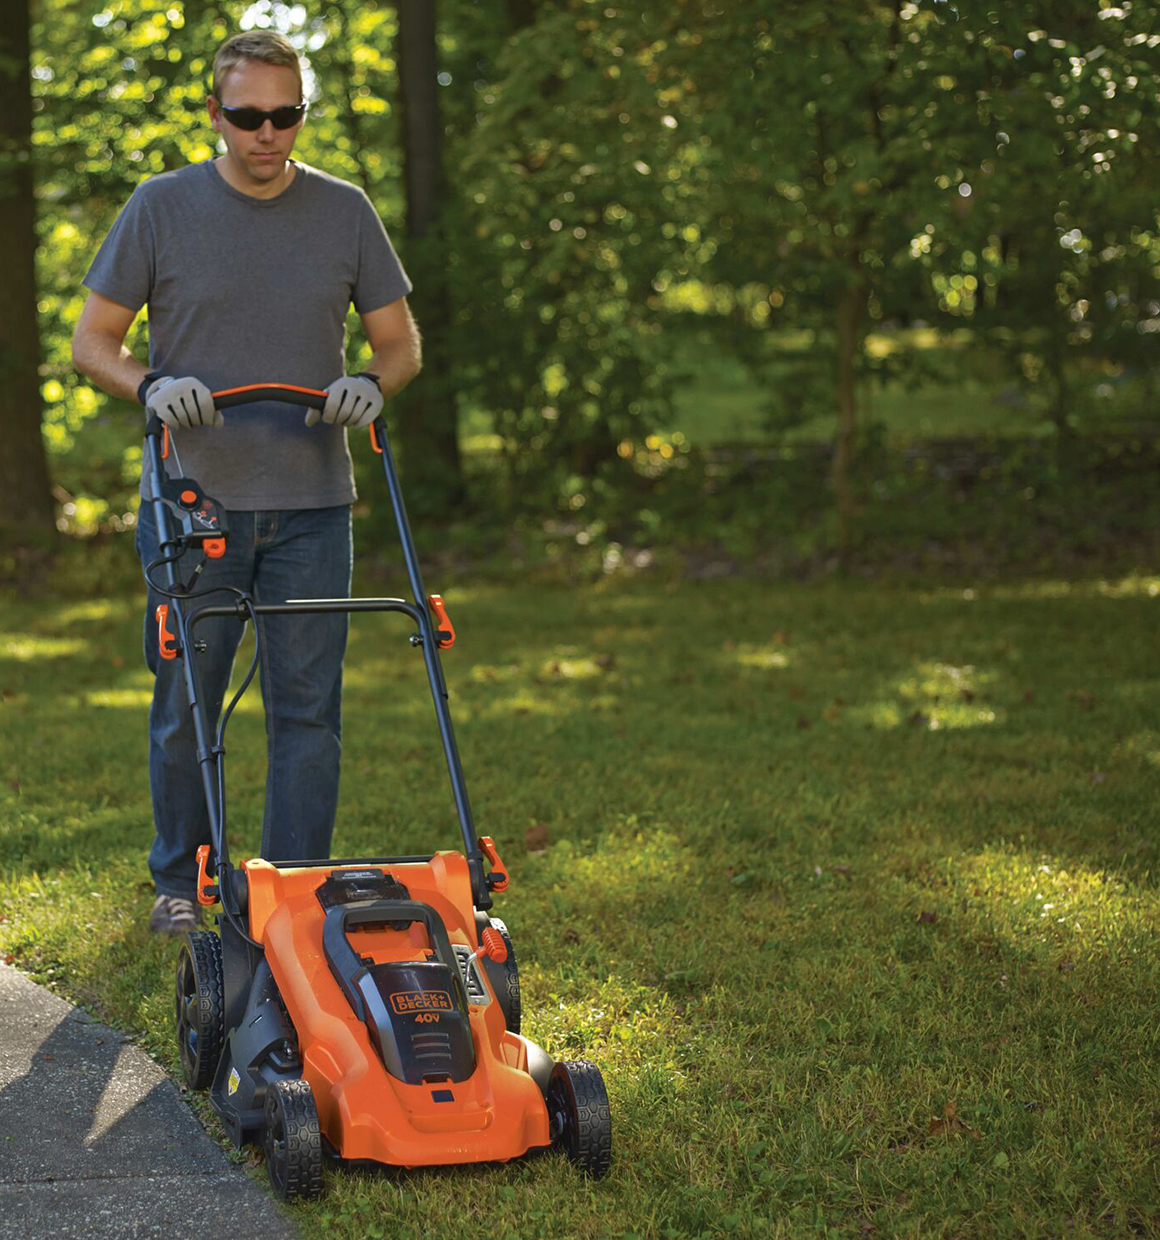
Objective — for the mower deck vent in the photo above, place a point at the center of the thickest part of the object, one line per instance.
(469, 967)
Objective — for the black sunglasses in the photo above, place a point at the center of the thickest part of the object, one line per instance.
(253, 118)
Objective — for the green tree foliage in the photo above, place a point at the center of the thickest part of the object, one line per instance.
(796, 175)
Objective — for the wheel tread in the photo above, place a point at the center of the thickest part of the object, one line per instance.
(591, 1147)
(303, 1139)
(205, 951)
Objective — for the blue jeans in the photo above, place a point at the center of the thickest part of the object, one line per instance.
(273, 556)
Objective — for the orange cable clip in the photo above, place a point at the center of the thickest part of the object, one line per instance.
(166, 642)
(498, 870)
(207, 892)
(215, 548)
(165, 443)
(443, 621)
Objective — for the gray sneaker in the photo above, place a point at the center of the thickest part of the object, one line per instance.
(173, 915)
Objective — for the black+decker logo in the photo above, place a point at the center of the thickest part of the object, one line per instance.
(405, 1002)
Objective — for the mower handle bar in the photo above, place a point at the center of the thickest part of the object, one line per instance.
(284, 393)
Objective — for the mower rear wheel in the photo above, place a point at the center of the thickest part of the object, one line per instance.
(506, 979)
(581, 1124)
(200, 1004)
(293, 1142)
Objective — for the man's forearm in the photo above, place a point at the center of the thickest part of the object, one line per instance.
(396, 363)
(108, 363)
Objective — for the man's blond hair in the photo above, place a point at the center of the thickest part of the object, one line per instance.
(268, 46)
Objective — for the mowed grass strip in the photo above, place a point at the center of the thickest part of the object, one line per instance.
(850, 891)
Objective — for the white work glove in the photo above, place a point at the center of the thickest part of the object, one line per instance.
(182, 402)
(353, 401)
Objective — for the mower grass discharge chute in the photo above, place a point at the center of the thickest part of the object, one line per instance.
(363, 1010)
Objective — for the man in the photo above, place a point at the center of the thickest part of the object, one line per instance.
(248, 264)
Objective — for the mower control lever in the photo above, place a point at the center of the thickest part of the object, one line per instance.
(492, 946)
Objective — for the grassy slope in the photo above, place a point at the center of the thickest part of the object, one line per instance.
(821, 863)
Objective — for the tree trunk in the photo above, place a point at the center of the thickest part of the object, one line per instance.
(25, 501)
(850, 312)
(428, 425)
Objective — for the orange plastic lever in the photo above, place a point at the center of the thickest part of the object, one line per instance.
(375, 440)
(492, 945)
(165, 443)
(207, 893)
(166, 642)
(443, 621)
(497, 880)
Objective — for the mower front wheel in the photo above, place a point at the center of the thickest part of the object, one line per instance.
(293, 1142)
(200, 997)
(581, 1123)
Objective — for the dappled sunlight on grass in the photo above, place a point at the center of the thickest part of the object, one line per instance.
(1145, 745)
(765, 660)
(141, 698)
(1051, 902)
(936, 696)
(93, 609)
(25, 647)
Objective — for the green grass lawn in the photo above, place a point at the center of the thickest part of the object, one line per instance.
(850, 890)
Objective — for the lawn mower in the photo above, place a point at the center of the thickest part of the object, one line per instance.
(360, 1011)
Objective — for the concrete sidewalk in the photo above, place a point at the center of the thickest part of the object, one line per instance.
(95, 1141)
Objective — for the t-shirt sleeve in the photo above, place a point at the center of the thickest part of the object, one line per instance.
(123, 268)
(381, 278)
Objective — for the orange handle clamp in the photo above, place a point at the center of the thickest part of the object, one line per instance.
(207, 892)
(446, 641)
(166, 642)
(215, 548)
(497, 880)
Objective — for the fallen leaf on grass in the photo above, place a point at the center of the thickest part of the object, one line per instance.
(605, 661)
(571, 935)
(536, 837)
(802, 723)
(728, 644)
(950, 1124)
(832, 712)
(10, 959)
(7, 695)
(1082, 698)
(796, 692)
(927, 917)
(14, 784)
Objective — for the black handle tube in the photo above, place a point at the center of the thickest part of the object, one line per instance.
(309, 606)
(207, 759)
(434, 672)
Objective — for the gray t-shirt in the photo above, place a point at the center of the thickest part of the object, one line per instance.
(248, 290)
